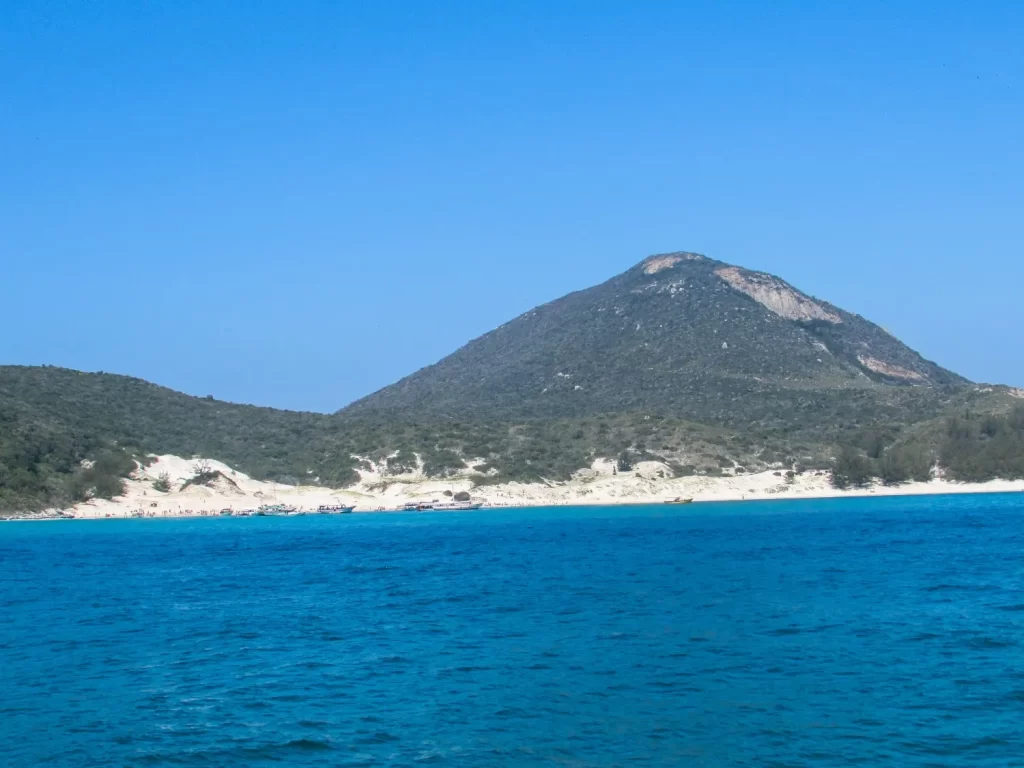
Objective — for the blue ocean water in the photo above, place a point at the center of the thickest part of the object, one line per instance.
(818, 633)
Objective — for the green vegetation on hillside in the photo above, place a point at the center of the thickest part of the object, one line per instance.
(52, 420)
(978, 447)
(971, 447)
(682, 341)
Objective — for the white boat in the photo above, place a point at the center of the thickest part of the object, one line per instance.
(275, 510)
(455, 506)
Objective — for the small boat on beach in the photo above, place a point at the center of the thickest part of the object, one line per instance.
(679, 500)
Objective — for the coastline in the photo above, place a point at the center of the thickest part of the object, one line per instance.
(599, 485)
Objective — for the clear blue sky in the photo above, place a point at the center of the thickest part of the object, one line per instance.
(296, 203)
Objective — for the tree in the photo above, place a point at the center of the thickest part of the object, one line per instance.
(625, 462)
(108, 486)
(903, 464)
(873, 441)
(851, 469)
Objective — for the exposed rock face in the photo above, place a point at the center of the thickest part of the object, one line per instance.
(892, 371)
(776, 295)
(656, 264)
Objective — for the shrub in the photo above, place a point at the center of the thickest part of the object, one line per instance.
(162, 483)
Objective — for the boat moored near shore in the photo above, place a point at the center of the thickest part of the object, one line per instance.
(334, 509)
(456, 506)
(275, 510)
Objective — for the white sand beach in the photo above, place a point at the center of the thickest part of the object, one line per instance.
(647, 483)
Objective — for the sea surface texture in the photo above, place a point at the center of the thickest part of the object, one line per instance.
(878, 632)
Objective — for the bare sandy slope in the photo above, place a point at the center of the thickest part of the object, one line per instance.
(648, 483)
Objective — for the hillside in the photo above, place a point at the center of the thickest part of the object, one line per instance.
(51, 419)
(678, 334)
(55, 422)
(707, 368)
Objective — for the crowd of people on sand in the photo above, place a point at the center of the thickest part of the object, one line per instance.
(166, 513)
(171, 513)
(155, 512)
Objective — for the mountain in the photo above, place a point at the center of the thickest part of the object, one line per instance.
(677, 334)
(709, 368)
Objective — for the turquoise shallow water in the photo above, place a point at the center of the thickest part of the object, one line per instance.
(820, 633)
